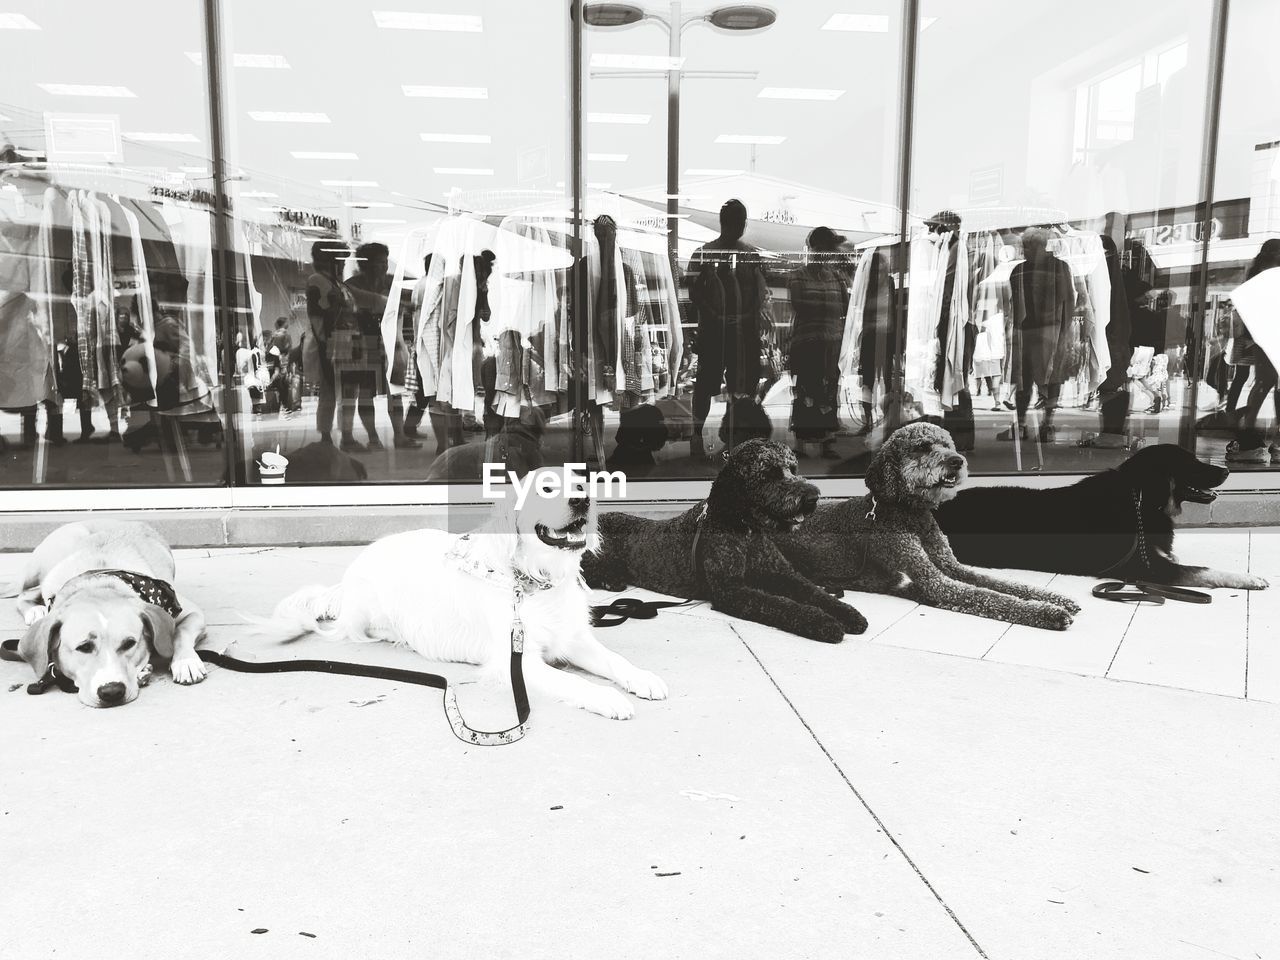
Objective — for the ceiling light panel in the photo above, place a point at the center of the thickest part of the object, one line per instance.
(324, 155)
(799, 93)
(140, 136)
(753, 138)
(445, 93)
(450, 22)
(635, 61)
(464, 171)
(17, 21)
(456, 138)
(858, 22)
(630, 118)
(288, 116)
(255, 61)
(85, 90)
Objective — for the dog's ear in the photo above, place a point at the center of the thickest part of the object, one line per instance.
(877, 478)
(39, 646)
(157, 630)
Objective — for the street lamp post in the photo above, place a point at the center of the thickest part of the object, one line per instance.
(738, 17)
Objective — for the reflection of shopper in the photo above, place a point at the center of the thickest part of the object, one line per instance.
(1042, 303)
(819, 302)
(729, 300)
(1250, 444)
(329, 305)
(371, 287)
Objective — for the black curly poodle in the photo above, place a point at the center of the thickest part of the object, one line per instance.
(736, 567)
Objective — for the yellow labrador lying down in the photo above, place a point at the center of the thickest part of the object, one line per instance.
(98, 600)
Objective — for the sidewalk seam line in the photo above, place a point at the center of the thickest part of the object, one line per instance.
(862, 800)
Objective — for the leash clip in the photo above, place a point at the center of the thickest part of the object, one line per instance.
(871, 514)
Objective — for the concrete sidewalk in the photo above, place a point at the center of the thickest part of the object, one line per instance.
(944, 787)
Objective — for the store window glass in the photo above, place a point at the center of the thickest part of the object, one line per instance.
(1236, 403)
(1053, 288)
(109, 340)
(742, 262)
(402, 239)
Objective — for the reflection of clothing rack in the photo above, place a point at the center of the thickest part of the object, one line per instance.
(529, 329)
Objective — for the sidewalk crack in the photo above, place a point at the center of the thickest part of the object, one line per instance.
(862, 800)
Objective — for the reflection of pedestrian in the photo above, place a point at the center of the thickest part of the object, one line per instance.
(362, 381)
(730, 302)
(1250, 444)
(1042, 302)
(819, 302)
(329, 305)
(358, 358)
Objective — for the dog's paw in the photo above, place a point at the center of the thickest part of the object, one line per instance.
(825, 630)
(852, 620)
(1050, 616)
(646, 685)
(35, 614)
(1255, 583)
(608, 702)
(1066, 603)
(187, 670)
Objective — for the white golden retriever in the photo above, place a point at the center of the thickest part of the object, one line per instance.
(452, 598)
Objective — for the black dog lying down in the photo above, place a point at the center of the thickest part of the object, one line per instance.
(888, 541)
(1118, 523)
(737, 567)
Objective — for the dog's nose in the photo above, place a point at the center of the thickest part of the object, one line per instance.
(580, 506)
(809, 503)
(111, 692)
(955, 461)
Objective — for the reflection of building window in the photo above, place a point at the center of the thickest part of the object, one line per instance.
(1107, 106)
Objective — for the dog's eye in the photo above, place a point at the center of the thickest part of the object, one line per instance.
(85, 647)
(128, 644)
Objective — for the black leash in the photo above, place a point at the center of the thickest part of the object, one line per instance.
(1143, 591)
(622, 609)
(54, 677)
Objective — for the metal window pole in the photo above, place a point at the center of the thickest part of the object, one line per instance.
(223, 251)
(675, 27)
(578, 293)
(1208, 175)
(906, 133)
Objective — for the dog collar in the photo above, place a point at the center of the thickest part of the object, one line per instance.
(149, 589)
(460, 556)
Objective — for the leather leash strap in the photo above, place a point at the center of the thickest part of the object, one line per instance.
(1142, 592)
(622, 609)
(461, 729)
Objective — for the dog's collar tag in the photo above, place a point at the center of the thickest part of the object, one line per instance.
(871, 514)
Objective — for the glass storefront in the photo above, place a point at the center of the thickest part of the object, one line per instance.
(390, 245)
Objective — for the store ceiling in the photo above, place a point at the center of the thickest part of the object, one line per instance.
(346, 77)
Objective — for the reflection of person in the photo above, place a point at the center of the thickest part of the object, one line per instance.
(1250, 444)
(328, 303)
(371, 287)
(819, 302)
(1042, 302)
(730, 302)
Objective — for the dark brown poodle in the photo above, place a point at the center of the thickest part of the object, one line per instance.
(736, 565)
(889, 542)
